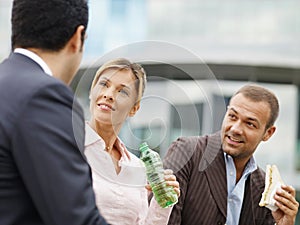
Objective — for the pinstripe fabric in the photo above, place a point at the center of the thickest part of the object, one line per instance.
(198, 163)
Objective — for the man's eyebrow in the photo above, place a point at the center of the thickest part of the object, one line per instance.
(232, 108)
(248, 118)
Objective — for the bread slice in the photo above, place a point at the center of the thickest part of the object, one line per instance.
(272, 182)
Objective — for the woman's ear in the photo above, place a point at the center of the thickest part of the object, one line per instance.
(134, 109)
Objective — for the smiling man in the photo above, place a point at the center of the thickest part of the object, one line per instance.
(219, 178)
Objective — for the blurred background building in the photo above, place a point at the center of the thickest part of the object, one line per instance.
(196, 53)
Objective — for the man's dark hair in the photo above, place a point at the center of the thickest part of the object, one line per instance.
(47, 24)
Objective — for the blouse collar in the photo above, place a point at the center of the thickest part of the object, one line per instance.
(91, 137)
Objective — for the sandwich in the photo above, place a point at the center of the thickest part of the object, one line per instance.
(272, 182)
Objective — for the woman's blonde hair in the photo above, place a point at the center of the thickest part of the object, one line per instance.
(125, 64)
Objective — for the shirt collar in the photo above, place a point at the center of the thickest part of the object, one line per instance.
(91, 137)
(35, 58)
(251, 165)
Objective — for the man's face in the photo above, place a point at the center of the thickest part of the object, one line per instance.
(244, 127)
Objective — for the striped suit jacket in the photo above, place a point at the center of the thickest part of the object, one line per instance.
(198, 163)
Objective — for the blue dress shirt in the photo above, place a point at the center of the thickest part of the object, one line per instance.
(236, 190)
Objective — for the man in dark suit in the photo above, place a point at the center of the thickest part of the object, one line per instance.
(219, 179)
(44, 179)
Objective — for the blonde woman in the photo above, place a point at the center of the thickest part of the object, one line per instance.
(119, 177)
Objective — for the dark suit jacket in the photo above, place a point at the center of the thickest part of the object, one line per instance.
(198, 163)
(44, 178)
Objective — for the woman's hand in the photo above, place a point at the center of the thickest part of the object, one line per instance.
(170, 179)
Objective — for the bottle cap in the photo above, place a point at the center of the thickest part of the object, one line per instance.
(143, 146)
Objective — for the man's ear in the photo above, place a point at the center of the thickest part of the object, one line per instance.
(76, 42)
(134, 109)
(269, 132)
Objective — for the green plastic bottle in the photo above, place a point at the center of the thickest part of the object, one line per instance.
(163, 193)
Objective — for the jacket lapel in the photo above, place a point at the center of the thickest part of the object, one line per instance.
(257, 184)
(253, 189)
(213, 165)
(247, 216)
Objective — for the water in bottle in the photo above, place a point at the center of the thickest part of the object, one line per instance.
(163, 193)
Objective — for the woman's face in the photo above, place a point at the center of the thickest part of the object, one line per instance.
(114, 96)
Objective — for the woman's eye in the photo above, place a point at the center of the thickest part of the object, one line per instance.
(102, 83)
(124, 92)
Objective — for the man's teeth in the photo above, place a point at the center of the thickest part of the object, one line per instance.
(233, 139)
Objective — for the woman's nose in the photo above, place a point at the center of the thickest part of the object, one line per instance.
(108, 94)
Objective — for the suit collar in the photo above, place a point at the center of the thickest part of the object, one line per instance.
(35, 58)
(213, 165)
(253, 190)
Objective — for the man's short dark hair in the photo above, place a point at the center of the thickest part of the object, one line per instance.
(46, 24)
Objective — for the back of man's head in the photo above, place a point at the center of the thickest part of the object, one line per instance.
(46, 24)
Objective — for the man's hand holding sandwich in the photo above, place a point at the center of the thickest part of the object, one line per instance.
(279, 198)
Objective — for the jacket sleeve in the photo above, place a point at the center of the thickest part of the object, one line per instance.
(47, 148)
(179, 159)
